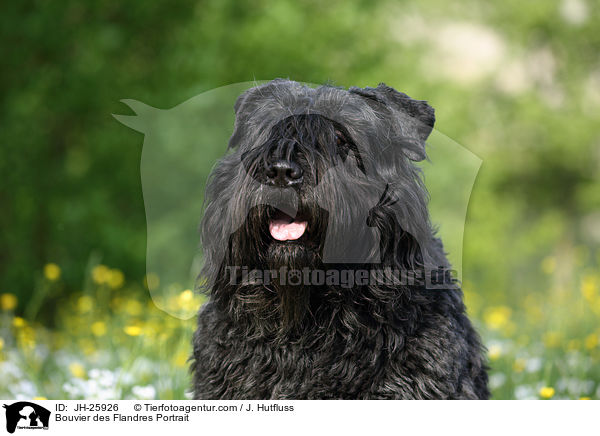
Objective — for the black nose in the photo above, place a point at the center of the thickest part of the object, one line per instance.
(284, 173)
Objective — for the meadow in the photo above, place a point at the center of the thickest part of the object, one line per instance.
(112, 342)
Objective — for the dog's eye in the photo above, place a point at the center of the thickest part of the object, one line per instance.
(340, 138)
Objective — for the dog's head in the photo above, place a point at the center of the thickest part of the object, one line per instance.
(318, 178)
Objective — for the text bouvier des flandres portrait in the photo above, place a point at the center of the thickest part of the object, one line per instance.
(325, 276)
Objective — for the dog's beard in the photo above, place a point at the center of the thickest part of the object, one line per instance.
(274, 287)
(289, 259)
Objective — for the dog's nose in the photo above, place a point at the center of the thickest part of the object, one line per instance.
(284, 173)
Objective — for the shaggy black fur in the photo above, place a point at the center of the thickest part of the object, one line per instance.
(346, 152)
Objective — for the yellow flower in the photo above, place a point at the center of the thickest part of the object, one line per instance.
(591, 341)
(186, 296)
(180, 359)
(151, 281)
(552, 339)
(8, 301)
(187, 301)
(115, 278)
(132, 330)
(1, 344)
(52, 272)
(519, 365)
(26, 337)
(133, 307)
(40, 398)
(497, 317)
(547, 392)
(85, 303)
(494, 352)
(549, 265)
(87, 346)
(98, 328)
(19, 322)
(584, 398)
(589, 288)
(100, 274)
(77, 370)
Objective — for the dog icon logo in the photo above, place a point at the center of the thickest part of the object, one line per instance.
(26, 415)
(178, 141)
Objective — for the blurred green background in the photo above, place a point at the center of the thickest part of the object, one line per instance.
(517, 83)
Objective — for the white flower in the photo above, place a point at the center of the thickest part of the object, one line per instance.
(106, 378)
(525, 393)
(144, 392)
(107, 394)
(574, 11)
(24, 389)
(497, 380)
(9, 369)
(533, 365)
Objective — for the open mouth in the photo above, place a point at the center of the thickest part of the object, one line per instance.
(283, 227)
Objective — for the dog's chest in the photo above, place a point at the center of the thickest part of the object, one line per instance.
(333, 369)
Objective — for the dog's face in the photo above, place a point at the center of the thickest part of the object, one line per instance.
(318, 178)
(304, 160)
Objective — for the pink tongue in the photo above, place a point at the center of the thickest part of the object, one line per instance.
(284, 230)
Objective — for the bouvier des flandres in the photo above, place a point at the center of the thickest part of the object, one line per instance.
(325, 276)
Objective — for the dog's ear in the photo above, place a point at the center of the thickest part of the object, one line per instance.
(412, 120)
(242, 113)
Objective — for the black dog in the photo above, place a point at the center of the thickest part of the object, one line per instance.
(322, 265)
